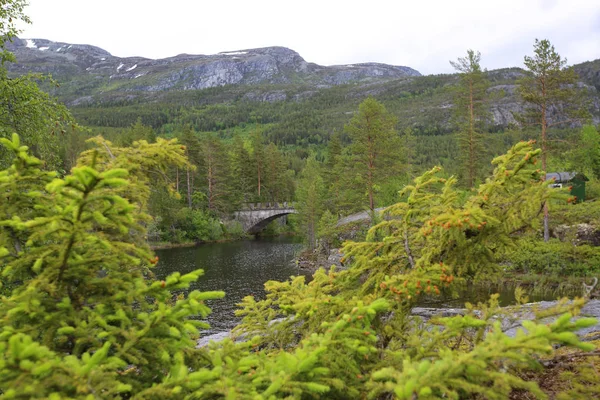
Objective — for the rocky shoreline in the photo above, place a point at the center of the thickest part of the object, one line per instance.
(509, 326)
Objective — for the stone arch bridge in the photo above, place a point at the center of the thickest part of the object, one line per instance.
(255, 217)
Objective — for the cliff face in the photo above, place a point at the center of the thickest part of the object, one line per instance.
(269, 65)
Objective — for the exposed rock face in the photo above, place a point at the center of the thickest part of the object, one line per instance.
(580, 234)
(510, 326)
(89, 75)
(274, 65)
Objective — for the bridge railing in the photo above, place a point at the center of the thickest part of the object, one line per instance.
(285, 205)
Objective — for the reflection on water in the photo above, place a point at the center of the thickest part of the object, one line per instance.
(241, 268)
(238, 268)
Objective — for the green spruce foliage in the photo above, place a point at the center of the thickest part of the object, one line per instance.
(81, 316)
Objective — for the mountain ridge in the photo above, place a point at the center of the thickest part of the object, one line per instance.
(230, 88)
(266, 65)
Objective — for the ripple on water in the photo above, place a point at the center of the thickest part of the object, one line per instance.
(238, 268)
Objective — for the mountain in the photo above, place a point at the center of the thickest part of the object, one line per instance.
(269, 65)
(297, 102)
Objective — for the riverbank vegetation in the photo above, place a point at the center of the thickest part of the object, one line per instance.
(81, 315)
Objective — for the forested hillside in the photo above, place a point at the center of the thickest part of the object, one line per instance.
(250, 119)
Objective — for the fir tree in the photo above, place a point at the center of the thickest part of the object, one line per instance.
(549, 91)
(215, 173)
(194, 154)
(333, 177)
(258, 159)
(137, 131)
(81, 318)
(470, 111)
(409, 144)
(241, 172)
(274, 174)
(310, 194)
(375, 149)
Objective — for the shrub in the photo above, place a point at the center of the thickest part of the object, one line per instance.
(554, 258)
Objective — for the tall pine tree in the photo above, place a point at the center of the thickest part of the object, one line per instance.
(242, 183)
(258, 159)
(549, 91)
(215, 173)
(376, 151)
(310, 198)
(470, 113)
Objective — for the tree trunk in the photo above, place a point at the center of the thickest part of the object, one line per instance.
(211, 188)
(370, 178)
(258, 173)
(544, 164)
(189, 187)
(471, 137)
(409, 255)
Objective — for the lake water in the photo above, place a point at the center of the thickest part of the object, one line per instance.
(238, 268)
(241, 268)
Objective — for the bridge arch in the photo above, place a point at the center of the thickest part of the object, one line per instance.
(255, 217)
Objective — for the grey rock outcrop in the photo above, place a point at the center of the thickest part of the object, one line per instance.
(510, 326)
(579, 234)
(269, 65)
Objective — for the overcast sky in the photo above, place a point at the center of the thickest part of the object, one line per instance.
(422, 34)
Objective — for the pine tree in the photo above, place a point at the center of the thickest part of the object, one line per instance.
(333, 177)
(409, 144)
(258, 159)
(549, 91)
(137, 131)
(241, 173)
(148, 165)
(215, 174)
(375, 150)
(310, 198)
(274, 174)
(194, 154)
(470, 113)
(334, 150)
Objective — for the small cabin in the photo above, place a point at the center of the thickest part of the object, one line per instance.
(573, 179)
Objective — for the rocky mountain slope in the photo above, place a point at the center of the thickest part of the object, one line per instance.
(301, 101)
(269, 65)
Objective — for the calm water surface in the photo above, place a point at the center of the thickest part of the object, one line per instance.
(241, 268)
(238, 268)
